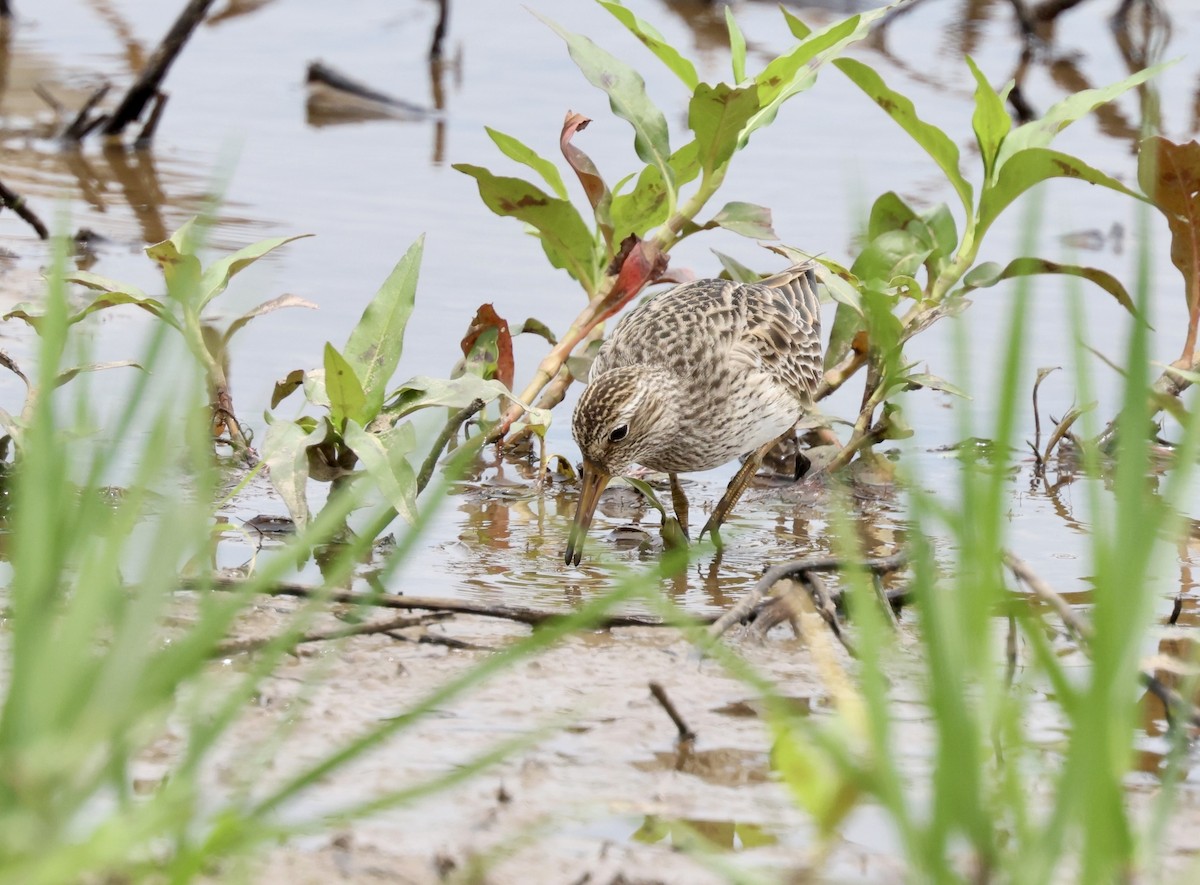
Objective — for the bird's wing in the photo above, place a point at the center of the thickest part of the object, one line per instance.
(782, 334)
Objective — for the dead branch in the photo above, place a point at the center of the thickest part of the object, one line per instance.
(14, 201)
(83, 123)
(240, 646)
(146, 136)
(439, 30)
(146, 86)
(686, 735)
(523, 615)
(795, 569)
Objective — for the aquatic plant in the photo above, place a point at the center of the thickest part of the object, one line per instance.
(191, 288)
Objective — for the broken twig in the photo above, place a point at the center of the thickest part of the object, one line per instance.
(796, 569)
(146, 86)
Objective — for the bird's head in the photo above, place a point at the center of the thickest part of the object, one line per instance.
(622, 418)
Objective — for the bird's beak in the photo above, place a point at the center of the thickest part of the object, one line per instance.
(594, 481)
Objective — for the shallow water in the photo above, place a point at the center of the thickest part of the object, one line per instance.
(237, 124)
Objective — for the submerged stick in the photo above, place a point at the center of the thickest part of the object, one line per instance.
(146, 86)
(660, 695)
(14, 201)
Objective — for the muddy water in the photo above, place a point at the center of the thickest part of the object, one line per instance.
(237, 124)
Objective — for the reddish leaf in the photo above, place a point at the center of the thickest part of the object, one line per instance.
(1169, 173)
(490, 330)
(637, 264)
(589, 176)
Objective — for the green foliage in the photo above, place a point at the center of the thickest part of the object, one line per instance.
(190, 289)
(363, 421)
(893, 303)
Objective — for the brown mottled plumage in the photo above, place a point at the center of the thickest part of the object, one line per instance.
(694, 378)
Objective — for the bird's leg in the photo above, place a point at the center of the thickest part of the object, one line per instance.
(679, 502)
(737, 485)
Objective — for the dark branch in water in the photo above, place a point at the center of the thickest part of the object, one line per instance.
(75, 131)
(439, 30)
(14, 201)
(148, 82)
(660, 695)
(147, 134)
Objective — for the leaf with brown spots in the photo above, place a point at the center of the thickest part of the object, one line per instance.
(487, 346)
(566, 239)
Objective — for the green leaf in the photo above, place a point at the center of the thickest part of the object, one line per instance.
(180, 268)
(265, 308)
(990, 273)
(568, 242)
(527, 156)
(737, 47)
(940, 223)
(889, 212)
(1039, 133)
(747, 219)
(991, 121)
(935, 142)
(384, 458)
(737, 271)
(285, 388)
(285, 451)
(796, 70)
(455, 393)
(626, 92)
(647, 206)
(115, 295)
(847, 323)
(893, 253)
(718, 114)
(656, 43)
(1031, 167)
(104, 284)
(66, 375)
(217, 275)
(374, 346)
(347, 402)
(933, 382)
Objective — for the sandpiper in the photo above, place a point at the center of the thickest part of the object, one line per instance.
(694, 378)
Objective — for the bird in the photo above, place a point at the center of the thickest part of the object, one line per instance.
(693, 378)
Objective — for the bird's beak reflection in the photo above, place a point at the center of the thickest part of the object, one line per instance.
(594, 482)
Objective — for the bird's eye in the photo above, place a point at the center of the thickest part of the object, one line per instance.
(619, 433)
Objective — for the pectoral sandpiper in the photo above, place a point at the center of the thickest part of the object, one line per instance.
(694, 378)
